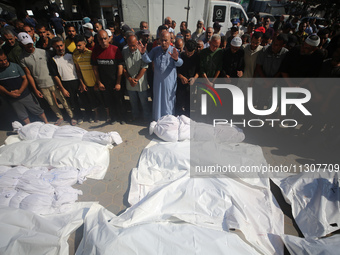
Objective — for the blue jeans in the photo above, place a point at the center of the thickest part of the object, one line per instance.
(143, 97)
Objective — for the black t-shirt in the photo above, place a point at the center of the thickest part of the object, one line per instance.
(302, 66)
(48, 48)
(232, 62)
(190, 65)
(107, 61)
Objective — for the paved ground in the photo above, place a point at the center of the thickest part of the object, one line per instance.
(112, 192)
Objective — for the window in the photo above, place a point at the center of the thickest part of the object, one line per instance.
(236, 13)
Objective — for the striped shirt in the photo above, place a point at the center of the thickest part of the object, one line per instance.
(84, 62)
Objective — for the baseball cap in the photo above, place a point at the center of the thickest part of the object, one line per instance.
(88, 34)
(235, 21)
(24, 38)
(86, 20)
(236, 42)
(88, 25)
(109, 33)
(260, 29)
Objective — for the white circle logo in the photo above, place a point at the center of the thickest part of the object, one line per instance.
(219, 13)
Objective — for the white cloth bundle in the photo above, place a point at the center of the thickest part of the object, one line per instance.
(39, 130)
(172, 129)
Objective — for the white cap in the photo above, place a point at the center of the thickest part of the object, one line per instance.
(201, 20)
(313, 40)
(24, 38)
(236, 42)
(88, 25)
(109, 33)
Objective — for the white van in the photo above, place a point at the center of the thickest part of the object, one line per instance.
(155, 11)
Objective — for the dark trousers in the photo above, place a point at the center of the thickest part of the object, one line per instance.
(113, 100)
(73, 88)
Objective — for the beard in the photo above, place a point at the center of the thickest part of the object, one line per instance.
(199, 30)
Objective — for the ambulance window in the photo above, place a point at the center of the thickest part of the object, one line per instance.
(236, 13)
(219, 13)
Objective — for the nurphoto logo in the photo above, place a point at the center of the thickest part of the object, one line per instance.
(300, 97)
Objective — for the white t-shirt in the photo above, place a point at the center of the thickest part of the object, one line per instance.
(66, 68)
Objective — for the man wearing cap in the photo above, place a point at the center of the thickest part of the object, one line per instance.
(236, 24)
(233, 59)
(30, 30)
(14, 87)
(166, 59)
(69, 79)
(136, 78)
(89, 27)
(69, 42)
(89, 40)
(199, 30)
(303, 61)
(82, 62)
(41, 73)
(11, 47)
(105, 61)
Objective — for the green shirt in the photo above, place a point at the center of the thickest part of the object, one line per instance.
(210, 62)
(13, 52)
(133, 63)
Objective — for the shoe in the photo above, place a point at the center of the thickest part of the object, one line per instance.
(123, 122)
(91, 120)
(59, 122)
(73, 122)
(80, 121)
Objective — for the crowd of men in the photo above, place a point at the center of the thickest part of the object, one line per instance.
(95, 69)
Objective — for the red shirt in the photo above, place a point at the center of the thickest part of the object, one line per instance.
(107, 61)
